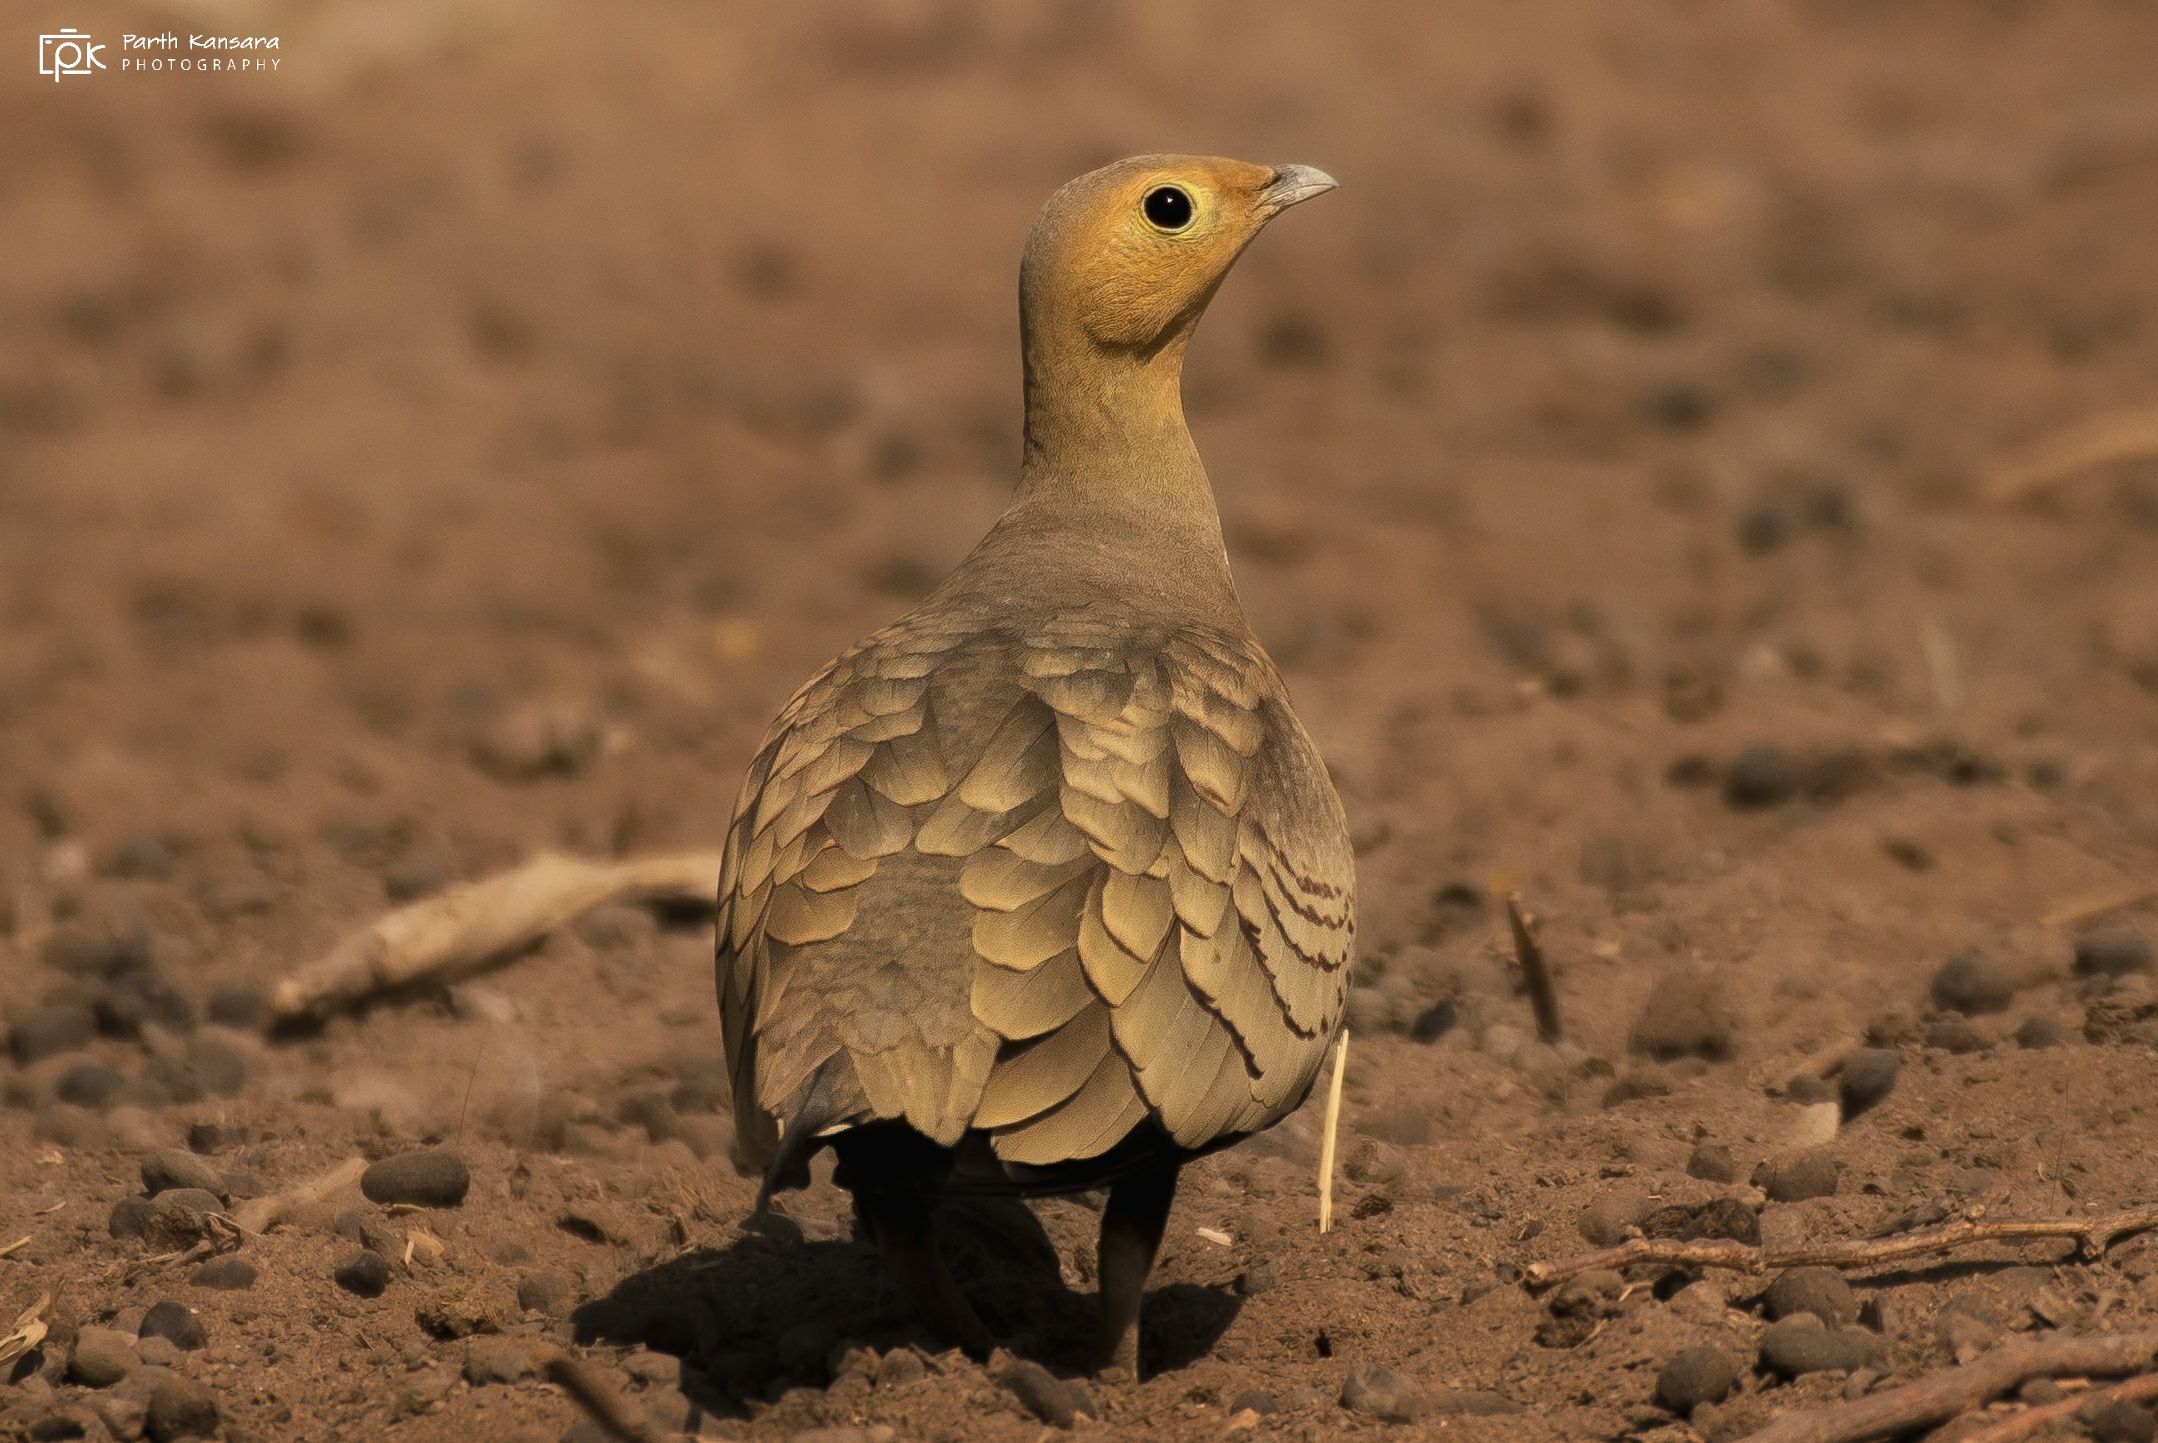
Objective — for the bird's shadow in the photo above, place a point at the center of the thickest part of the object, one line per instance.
(773, 1310)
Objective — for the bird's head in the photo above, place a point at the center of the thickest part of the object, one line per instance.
(1128, 256)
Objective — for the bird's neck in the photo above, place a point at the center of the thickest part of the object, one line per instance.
(1111, 493)
(1105, 433)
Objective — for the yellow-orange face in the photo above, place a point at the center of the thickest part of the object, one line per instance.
(1132, 251)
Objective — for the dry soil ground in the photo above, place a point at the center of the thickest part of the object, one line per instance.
(460, 442)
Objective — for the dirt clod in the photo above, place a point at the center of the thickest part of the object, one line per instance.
(171, 1168)
(1866, 1077)
(2117, 1420)
(100, 1358)
(1797, 1179)
(2113, 950)
(176, 1323)
(1801, 1344)
(181, 1408)
(1696, 1376)
(1377, 1391)
(226, 1275)
(1056, 1401)
(1819, 1291)
(365, 1272)
(1711, 1162)
(1972, 983)
(1683, 1017)
(425, 1177)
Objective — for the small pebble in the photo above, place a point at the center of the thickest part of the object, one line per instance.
(546, 1292)
(176, 1323)
(210, 1138)
(1712, 1162)
(1683, 1018)
(1800, 1344)
(2117, 1420)
(1819, 1291)
(1763, 775)
(130, 1217)
(1866, 1077)
(219, 1059)
(91, 1085)
(240, 1006)
(100, 1358)
(228, 1275)
(428, 1177)
(179, 1217)
(2113, 949)
(181, 1408)
(1954, 1033)
(1806, 1090)
(1607, 1221)
(1966, 1336)
(50, 1030)
(900, 1367)
(1693, 1377)
(550, 738)
(366, 1273)
(1054, 1400)
(124, 1415)
(1472, 1402)
(1377, 1391)
(170, 1168)
(498, 1360)
(1796, 1179)
(2042, 1032)
(158, 1352)
(1971, 983)
(1254, 1400)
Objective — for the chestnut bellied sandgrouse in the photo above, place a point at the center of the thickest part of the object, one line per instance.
(1043, 887)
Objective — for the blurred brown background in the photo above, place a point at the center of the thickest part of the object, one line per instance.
(1655, 469)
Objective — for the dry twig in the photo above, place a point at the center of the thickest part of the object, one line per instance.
(1534, 970)
(1944, 1395)
(466, 928)
(2094, 1235)
(599, 1402)
(2101, 441)
(17, 1246)
(2096, 904)
(2030, 1420)
(1333, 1131)
(259, 1215)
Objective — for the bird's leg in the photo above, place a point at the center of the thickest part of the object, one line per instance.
(898, 1219)
(1131, 1229)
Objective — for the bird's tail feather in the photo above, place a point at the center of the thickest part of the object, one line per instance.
(819, 1105)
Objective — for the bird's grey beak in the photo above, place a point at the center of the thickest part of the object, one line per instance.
(1292, 185)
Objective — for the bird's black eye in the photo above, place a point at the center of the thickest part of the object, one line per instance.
(1167, 208)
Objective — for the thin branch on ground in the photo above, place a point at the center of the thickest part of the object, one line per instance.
(456, 933)
(2099, 442)
(2030, 1420)
(2094, 1235)
(259, 1215)
(1543, 998)
(600, 1402)
(1940, 1396)
(2096, 904)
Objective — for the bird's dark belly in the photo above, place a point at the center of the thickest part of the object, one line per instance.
(891, 1154)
